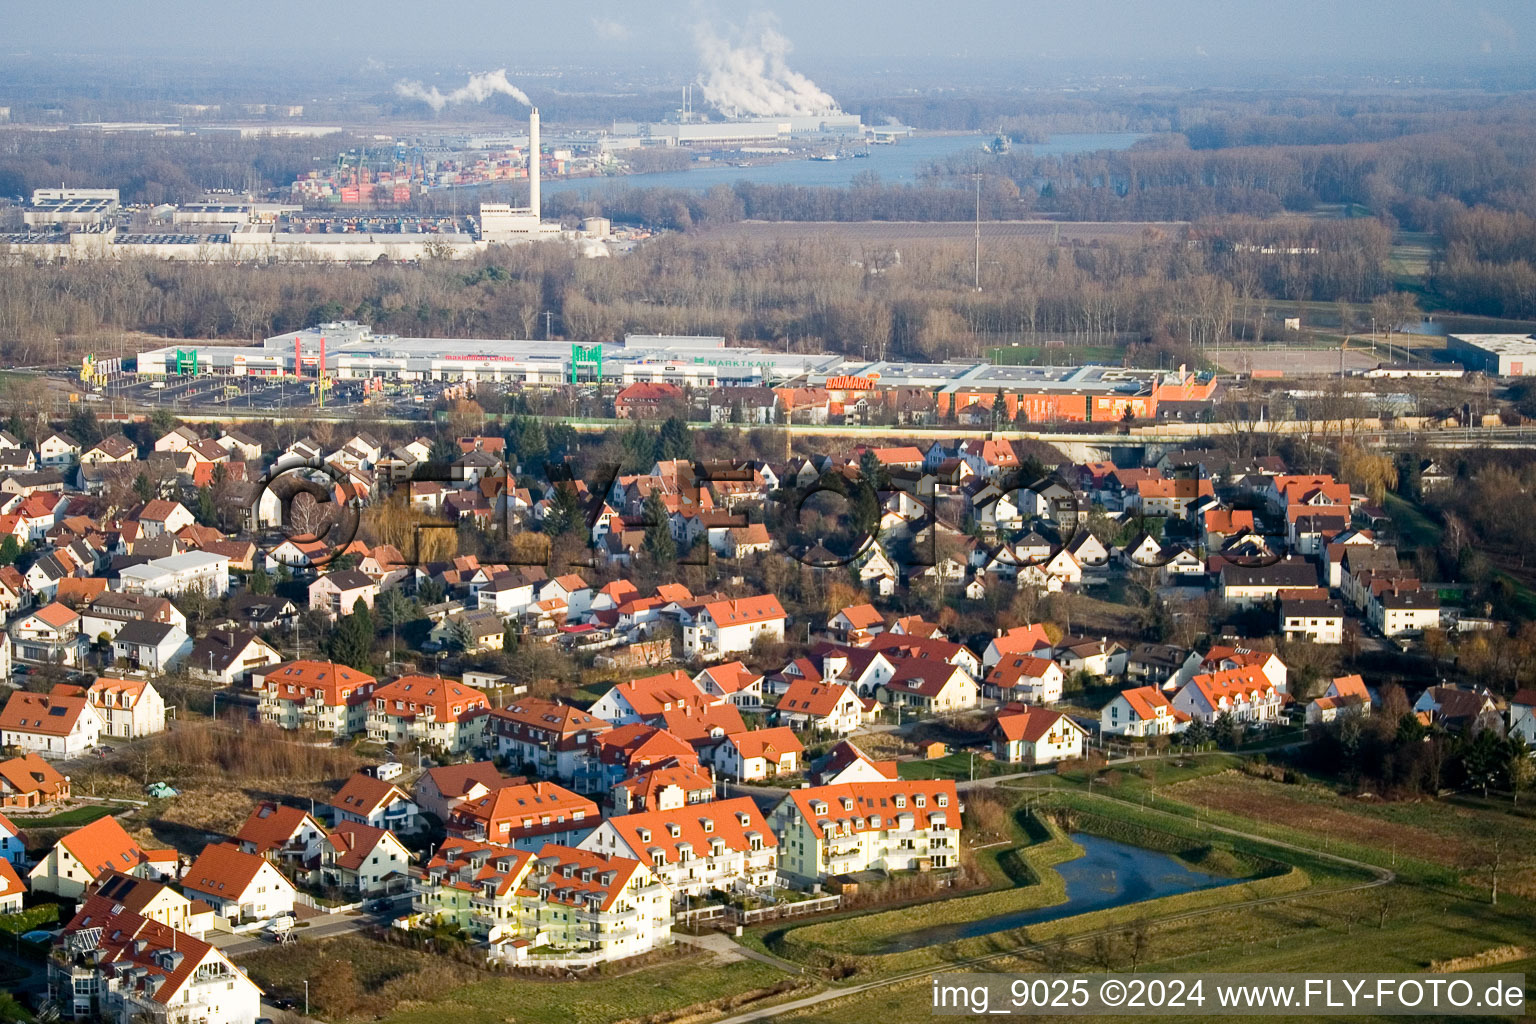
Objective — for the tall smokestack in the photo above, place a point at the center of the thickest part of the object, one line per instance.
(533, 161)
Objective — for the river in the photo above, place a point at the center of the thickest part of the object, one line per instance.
(1108, 874)
(898, 164)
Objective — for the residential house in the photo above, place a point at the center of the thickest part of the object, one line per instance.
(62, 724)
(337, 593)
(759, 754)
(819, 706)
(116, 448)
(29, 781)
(867, 826)
(856, 623)
(363, 860)
(202, 572)
(163, 518)
(115, 965)
(929, 687)
(1245, 694)
(1033, 680)
(554, 739)
(723, 844)
(734, 682)
(1101, 657)
(128, 708)
(525, 816)
(48, 636)
(1017, 641)
(1154, 663)
(1035, 736)
(12, 889)
(1317, 620)
(733, 625)
(60, 450)
(1245, 586)
(444, 787)
(286, 835)
(87, 853)
(239, 886)
(13, 850)
(377, 802)
(318, 695)
(662, 788)
(152, 647)
(1522, 720)
(430, 710)
(154, 901)
(1405, 611)
(1459, 710)
(847, 763)
(1142, 712)
(229, 656)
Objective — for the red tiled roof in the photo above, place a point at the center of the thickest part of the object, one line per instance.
(871, 806)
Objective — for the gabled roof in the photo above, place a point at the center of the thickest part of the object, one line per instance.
(767, 743)
(1031, 724)
(813, 698)
(354, 841)
(30, 773)
(272, 825)
(223, 870)
(152, 960)
(334, 684)
(1021, 640)
(731, 676)
(103, 845)
(742, 611)
(453, 781)
(363, 795)
(1145, 701)
(44, 714)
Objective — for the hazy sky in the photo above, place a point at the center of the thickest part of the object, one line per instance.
(661, 30)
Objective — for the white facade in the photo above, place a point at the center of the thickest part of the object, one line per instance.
(192, 571)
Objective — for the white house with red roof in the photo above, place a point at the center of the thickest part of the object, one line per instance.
(1035, 735)
(13, 843)
(662, 789)
(361, 859)
(1016, 641)
(128, 707)
(906, 825)
(430, 710)
(442, 788)
(318, 695)
(48, 636)
(526, 816)
(62, 724)
(733, 625)
(373, 801)
(89, 852)
(553, 738)
(238, 886)
(115, 965)
(733, 681)
(856, 623)
(696, 848)
(1142, 711)
(929, 687)
(1347, 696)
(12, 889)
(847, 763)
(1025, 677)
(650, 696)
(759, 754)
(821, 706)
(282, 833)
(1244, 693)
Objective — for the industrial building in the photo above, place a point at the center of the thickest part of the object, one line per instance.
(697, 132)
(977, 390)
(1501, 355)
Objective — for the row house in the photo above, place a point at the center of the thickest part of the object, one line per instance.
(891, 826)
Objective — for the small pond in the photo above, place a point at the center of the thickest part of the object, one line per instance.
(1108, 874)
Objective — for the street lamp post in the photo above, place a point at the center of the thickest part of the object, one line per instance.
(306, 997)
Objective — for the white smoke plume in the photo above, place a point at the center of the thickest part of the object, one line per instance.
(478, 89)
(749, 76)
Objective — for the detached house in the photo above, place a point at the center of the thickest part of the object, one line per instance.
(238, 886)
(759, 754)
(732, 626)
(281, 833)
(372, 801)
(119, 966)
(89, 852)
(128, 708)
(364, 860)
(821, 706)
(61, 724)
(1034, 736)
(29, 781)
(1244, 693)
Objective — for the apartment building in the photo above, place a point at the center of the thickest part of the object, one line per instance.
(315, 695)
(725, 844)
(862, 826)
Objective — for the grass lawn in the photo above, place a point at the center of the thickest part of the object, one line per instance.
(957, 766)
(409, 986)
(72, 818)
(1414, 528)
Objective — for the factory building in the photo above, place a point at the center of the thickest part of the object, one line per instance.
(743, 131)
(1500, 355)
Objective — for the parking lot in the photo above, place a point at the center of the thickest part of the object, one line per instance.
(209, 393)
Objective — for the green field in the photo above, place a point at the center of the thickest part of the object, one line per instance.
(957, 766)
(72, 818)
(353, 978)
